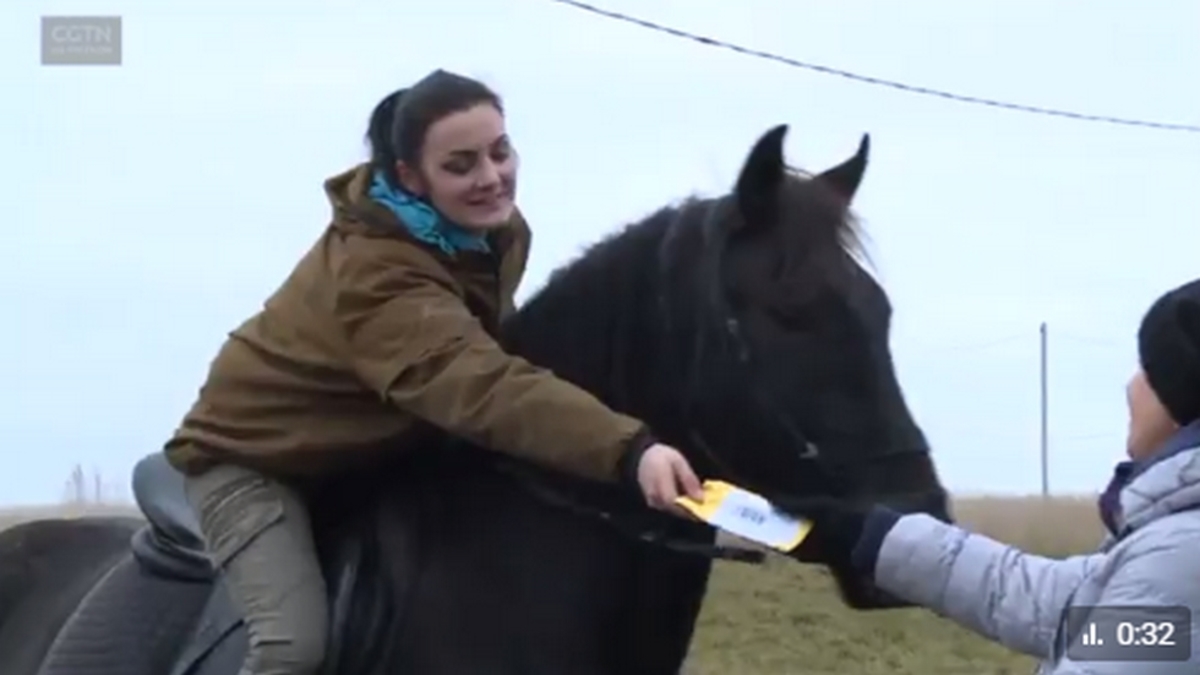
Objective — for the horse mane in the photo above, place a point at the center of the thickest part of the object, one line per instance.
(598, 320)
(594, 315)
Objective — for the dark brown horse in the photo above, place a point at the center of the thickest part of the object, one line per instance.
(743, 329)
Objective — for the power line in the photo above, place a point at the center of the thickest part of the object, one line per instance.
(911, 88)
(972, 346)
(1096, 342)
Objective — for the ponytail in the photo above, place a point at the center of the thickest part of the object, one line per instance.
(379, 136)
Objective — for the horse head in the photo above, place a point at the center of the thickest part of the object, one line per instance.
(790, 386)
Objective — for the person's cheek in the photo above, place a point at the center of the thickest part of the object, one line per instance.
(451, 192)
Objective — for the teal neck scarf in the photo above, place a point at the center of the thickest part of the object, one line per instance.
(423, 221)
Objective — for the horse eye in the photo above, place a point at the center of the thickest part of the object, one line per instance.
(737, 297)
(794, 317)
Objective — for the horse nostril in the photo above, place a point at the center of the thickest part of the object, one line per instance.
(942, 515)
(936, 505)
(939, 507)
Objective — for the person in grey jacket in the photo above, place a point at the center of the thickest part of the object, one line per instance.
(1151, 557)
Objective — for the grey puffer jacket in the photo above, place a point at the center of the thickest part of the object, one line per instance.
(1152, 558)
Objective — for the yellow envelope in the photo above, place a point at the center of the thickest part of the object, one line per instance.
(747, 515)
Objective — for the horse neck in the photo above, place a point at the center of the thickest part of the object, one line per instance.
(598, 322)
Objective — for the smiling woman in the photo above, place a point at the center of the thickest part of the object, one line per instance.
(444, 141)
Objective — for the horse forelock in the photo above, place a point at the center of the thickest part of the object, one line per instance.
(816, 233)
(819, 224)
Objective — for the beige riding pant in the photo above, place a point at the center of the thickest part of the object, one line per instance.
(258, 532)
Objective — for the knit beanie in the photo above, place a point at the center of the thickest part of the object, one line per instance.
(1169, 351)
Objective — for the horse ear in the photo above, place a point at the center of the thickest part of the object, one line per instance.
(845, 178)
(1187, 315)
(761, 175)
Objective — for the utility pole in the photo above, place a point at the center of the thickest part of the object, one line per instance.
(1045, 419)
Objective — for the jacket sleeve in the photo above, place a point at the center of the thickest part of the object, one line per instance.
(998, 591)
(414, 342)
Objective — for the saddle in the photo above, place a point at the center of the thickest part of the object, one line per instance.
(163, 608)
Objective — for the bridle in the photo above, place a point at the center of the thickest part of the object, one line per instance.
(637, 522)
(730, 337)
(735, 345)
(808, 450)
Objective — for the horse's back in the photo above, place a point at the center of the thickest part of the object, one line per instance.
(131, 597)
(109, 596)
(46, 568)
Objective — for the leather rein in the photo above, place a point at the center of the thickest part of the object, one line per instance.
(640, 523)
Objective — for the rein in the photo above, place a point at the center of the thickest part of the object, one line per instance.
(653, 530)
(640, 523)
(653, 527)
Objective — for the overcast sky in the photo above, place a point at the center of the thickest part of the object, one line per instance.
(150, 207)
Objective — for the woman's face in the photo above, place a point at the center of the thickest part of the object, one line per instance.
(1150, 425)
(468, 168)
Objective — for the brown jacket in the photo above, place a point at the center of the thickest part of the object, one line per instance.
(375, 339)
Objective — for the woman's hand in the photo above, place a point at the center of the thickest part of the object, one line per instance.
(663, 474)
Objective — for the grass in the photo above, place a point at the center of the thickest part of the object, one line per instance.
(786, 618)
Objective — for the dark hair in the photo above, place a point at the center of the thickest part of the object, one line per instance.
(400, 121)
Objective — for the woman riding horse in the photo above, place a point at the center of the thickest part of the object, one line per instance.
(384, 332)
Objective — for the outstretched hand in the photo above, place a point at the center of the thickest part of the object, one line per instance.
(840, 539)
(837, 527)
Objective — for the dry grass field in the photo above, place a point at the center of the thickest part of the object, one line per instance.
(787, 618)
